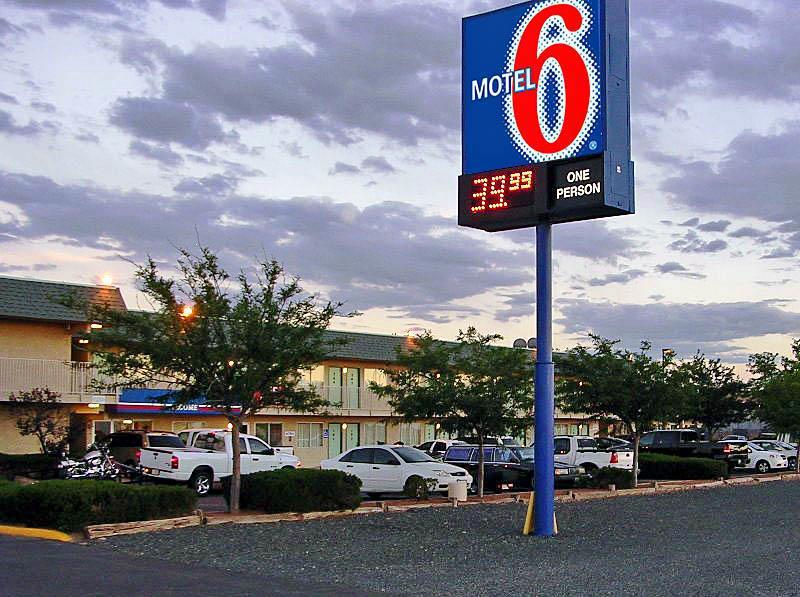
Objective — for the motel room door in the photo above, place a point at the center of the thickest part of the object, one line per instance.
(334, 439)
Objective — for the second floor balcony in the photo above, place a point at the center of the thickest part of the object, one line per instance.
(75, 381)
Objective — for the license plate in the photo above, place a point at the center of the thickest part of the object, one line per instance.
(155, 473)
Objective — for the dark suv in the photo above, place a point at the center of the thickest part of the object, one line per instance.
(504, 465)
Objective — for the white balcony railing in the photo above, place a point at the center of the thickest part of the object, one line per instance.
(76, 382)
(354, 400)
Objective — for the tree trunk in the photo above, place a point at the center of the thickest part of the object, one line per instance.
(236, 480)
(636, 437)
(480, 466)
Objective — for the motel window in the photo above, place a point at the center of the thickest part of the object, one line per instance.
(374, 433)
(272, 433)
(309, 435)
(411, 434)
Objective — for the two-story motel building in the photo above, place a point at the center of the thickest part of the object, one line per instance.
(40, 347)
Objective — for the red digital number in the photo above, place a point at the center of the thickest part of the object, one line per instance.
(493, 193)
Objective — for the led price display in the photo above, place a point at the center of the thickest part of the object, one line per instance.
(493, 192)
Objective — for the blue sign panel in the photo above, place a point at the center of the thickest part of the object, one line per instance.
(533, 84)
(545, 114)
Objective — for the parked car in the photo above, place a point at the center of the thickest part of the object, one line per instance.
(211, 458)
(583, 451)
(189, 435)
(500, 466)
(392, 469)
(776, 446)
(126, 446)
(741, 438)
(686, 442)
(437, 448)
(759, 459)
(564, 473)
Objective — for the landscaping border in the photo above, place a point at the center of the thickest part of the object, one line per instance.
(200, 518)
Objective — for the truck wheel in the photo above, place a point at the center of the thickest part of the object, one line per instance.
(590, 469)
(762, 466)
(201, 482)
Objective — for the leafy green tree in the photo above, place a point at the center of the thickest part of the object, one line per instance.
(607, 381)
(39, 412)
(779, 408)
(715, 395)
(237, 347)
(775, 388)
(469, 387)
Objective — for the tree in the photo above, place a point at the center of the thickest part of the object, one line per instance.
(607, 381)
(775, 388)
(779, 400)
(469, 387)
(716, 397)
(239, 348)
(39, 413)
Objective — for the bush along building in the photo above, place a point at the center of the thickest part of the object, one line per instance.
(44, 344)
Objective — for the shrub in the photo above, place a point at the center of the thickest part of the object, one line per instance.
(419, 488)
(298, 490)
(602, 478)
(663, 466)
(40, 466)
(71, 505)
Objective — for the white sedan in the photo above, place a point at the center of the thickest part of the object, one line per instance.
(761, 460)
(392, 469)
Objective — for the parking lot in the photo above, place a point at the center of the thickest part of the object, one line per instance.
(736, 540)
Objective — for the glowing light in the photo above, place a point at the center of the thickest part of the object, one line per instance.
(93, 405)
(83, 341)
(231, 363)
(187, 311)
(494, 193)
(344, 426)
(96, 326)
(229, 426)
(107, 280)
(127, 422)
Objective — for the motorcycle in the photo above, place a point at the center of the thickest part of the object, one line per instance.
(98, 463)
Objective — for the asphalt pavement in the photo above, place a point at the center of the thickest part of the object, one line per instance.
(725, 541)
(36, 567)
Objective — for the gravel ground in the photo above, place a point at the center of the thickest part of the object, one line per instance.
(729, 541)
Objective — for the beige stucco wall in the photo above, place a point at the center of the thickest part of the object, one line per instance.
(35, 340)
(11, 442)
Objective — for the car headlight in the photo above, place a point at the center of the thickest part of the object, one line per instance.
(562, 471)
(442, 474)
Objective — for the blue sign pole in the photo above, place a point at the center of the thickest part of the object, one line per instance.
(544, 451)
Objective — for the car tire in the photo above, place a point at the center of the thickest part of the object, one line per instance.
(590, 469)
(793, 463)
(762, 467)
(287, 467)
(201, 482)
(408, 483)
(473, 487)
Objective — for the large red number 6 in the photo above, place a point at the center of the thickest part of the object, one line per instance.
(577, 86)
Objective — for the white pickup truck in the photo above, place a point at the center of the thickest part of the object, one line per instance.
(190, 435)
(210, 459)
(582, 450)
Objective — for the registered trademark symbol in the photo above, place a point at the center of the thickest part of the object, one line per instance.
(593, 145)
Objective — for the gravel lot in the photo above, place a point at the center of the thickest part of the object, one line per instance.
(729, 541)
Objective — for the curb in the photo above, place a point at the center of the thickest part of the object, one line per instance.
(34, 533)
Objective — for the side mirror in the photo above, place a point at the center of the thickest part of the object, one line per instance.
(270, 452)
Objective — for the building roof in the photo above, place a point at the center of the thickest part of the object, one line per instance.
(39, 300)
(366, 347)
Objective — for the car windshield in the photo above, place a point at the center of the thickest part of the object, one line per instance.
(412, 454)
(526, 453)
(165, 441)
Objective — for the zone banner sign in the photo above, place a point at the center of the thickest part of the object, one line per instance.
(545, 114)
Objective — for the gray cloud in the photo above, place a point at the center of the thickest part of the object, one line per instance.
(591, 239)
(293, 148)
(35, 267)
(43, 107)
(378, 165)
(87, 137)
(8, 28)
(692, 243)
(750, 232)
(685, 327)
(8, 99)
(716, 226)
(160, 153)
(676, 269)
(9, 126)
(216, 184)
(400, 61)
(389, 255)
(342, 168)
(618, 278)
(166, 121)
(213, 8)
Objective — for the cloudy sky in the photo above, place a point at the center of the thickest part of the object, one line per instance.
(326, 134)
